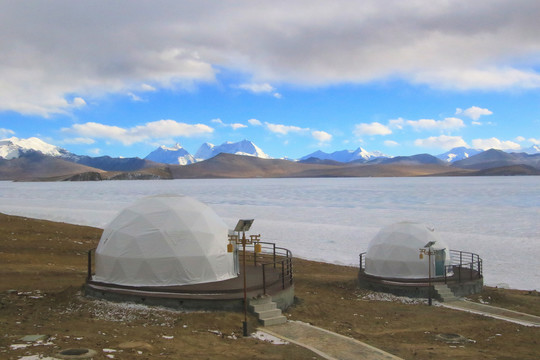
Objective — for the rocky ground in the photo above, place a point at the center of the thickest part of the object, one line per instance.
(43, 268)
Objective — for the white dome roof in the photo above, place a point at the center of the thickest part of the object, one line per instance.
(164, 240)
(395, 252)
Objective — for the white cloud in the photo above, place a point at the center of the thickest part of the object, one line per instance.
(441, 142)
(284, 129)
(79, 140)
(6, 132)
(254, 122)
(261, 88)
(151, 130)
(396, 123)
(474, 112)
(494, 143)
(391, 143)
(257, 88)
(234, 126)
(134, 97)
(534, 141)
(78, 102)
(492, 78)
(520, 138)
(321, 136)
(373, 128)
(237, 126)
(146, 87)
(95, 151)
(438, 44)
(430, 124)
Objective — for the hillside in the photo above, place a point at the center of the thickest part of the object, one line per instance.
(34, 165)
(236, 166)
(44, 267)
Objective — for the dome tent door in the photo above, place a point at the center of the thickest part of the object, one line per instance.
(440, 256)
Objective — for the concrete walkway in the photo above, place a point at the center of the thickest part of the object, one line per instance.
(494, 312)
(327, 344)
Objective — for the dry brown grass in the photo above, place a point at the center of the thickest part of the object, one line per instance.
(45, 263)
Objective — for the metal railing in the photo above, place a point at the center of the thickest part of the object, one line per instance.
(271, 256)
(467, 265)
(277, 258)
(463, 266)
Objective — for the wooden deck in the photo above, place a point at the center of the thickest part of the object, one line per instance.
(220, 290)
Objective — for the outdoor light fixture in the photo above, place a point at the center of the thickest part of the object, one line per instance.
(242, 226)
(427, 250)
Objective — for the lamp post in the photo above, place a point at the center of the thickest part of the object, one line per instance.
(429, 252)
(243, 225)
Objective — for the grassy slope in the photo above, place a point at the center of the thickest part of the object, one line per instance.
(46, 263)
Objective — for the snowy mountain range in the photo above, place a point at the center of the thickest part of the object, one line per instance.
(345, 155)
(13, 148)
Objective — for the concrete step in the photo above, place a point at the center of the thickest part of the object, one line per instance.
(263, 299)
(268, 314)
(445, 293)
(262, 307)
(274, 320)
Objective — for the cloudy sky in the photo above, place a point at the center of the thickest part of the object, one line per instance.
(120, 78)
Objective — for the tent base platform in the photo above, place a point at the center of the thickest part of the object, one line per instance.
(219, 295)
(461, 285)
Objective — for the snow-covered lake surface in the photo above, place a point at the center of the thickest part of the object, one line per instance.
(331, 220)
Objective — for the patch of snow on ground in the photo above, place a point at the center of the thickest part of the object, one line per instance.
(261, 335)
(124, 312)
(380, 296)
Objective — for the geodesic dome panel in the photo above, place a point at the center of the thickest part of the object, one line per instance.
(164, 240)
(395, 252)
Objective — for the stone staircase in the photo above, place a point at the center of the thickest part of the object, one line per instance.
(445, 293)
(266, 310)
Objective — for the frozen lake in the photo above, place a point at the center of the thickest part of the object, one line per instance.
(331, 220)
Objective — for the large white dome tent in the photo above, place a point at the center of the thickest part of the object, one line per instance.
(395, 252)
(164, 240)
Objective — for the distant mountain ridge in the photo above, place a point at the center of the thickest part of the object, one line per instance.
(345, 155)
(34, 159)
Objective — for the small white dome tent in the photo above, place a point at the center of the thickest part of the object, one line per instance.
(164, 240)
(395, 252)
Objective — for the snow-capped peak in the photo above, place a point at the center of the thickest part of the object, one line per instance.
(458, 153)
(535, 149)
(244, 147)
(176, 147)
(171, 155)
(13, 147)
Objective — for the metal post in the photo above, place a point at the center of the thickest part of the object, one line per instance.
(429, 276)
(274, 246)
(283, 274)
(254, 257)
(245, 284)
(264, 279)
